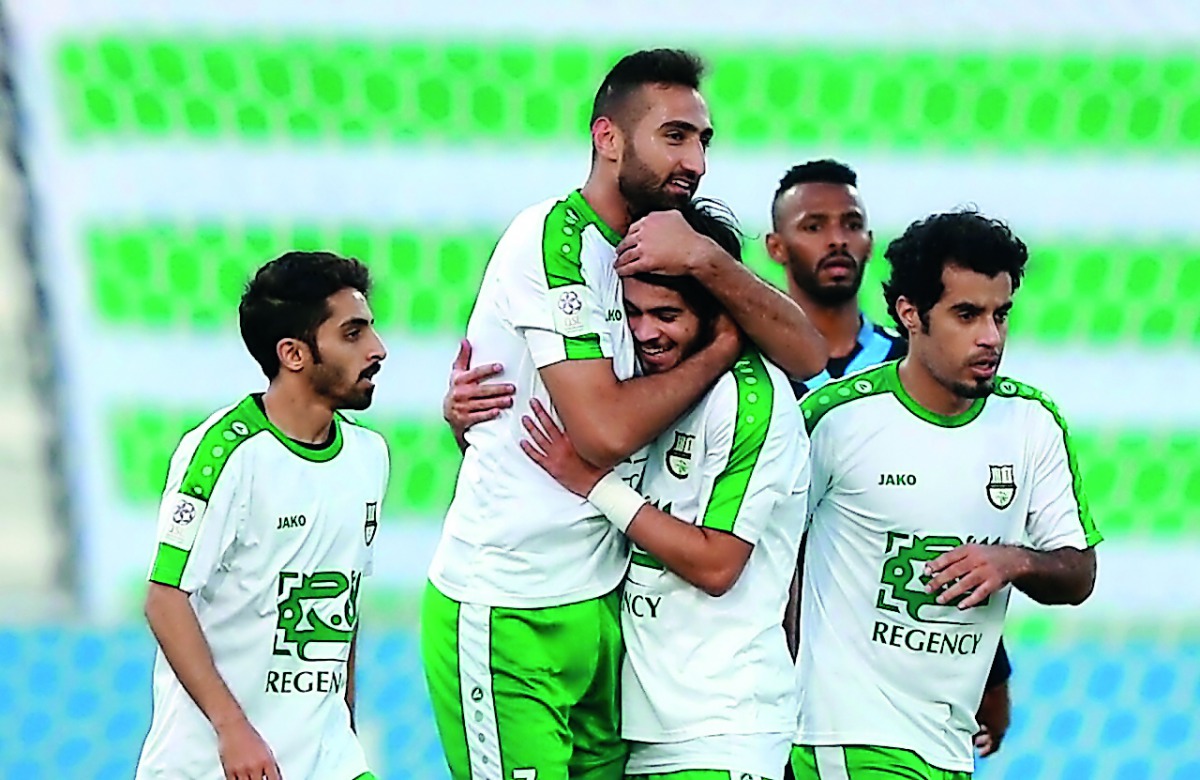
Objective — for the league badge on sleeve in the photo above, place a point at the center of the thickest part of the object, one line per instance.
(372, 523)
(1002, 486)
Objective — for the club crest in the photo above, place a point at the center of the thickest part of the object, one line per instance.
(1001, 487)
(679, 457)
(372, 522)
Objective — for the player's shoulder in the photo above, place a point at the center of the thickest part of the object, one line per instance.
(753, 391)
(205, 451)
(1032, 402)
(843, 395)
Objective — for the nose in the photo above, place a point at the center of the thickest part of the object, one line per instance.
(694, 158)
(378, 351)
(989, 334)
(643, 329)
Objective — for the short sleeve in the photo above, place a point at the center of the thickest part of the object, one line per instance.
(1059, 515)
(752, 462)
(200, 512)
(550, 301)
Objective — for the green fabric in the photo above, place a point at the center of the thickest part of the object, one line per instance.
(868, 762)
(755, 404)
(555, 673)
(697, 774)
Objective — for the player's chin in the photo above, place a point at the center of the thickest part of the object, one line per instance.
(358, 399)
(976, 387)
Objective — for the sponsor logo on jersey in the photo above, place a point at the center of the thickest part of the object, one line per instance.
(679, 457)
(903, 579)
(897, 479)
(1001, 486)
(290, 521)
(569, 303)
(613, 315)
(317, 614)
(371, 523)
(639, 605)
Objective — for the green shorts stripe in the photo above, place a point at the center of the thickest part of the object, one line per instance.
(865, 762)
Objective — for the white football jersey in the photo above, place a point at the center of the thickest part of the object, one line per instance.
(271, 539)
(893, 487)
(699, 666)
(514, 537)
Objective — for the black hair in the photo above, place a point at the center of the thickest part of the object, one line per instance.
(650, 66)
(814, 172)
(963, 238)
(287, 298)
(713, 219)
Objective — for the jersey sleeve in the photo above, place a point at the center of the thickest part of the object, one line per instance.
(1059, 515)
(201, 510)
(821, 451)
(749, 463)
(549, 299)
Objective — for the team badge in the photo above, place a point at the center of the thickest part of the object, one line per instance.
(372, 523)
(679, 457)
(1002, 486)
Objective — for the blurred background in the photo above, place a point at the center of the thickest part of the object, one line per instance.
(159, 152)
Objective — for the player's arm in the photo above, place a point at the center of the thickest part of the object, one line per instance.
(197, 523)
(664, 243)
(1059, 564)
(350, 688)
(608, 420)
(708, 558)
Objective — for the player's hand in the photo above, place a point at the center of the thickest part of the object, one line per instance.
(662, 242)
(469, 400)
(994, 716)
(553, 451)
(244, 753)
(727, 338)
(973, 571)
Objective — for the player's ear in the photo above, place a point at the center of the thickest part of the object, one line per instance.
(775, 248)
(906, 310)
(607, 139)
(293, 354)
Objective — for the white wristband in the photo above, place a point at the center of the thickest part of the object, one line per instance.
(616, 500)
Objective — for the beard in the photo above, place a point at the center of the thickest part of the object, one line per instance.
(825, 294)
(343, 393)
(979, 389)
(644, 190)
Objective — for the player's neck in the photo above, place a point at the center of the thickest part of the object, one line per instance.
(931, 394)
(839, 324)
(302, 417)
(608, 202)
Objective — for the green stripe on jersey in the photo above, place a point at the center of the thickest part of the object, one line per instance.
(830, 396)
(168, 565)
(755, 405)
(217, 445)
(364, 89)
(1011, 388)
(562, 256)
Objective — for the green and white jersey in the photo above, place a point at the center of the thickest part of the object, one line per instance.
(271, 540)
(514, 537)
(696, 665)
(895, 486)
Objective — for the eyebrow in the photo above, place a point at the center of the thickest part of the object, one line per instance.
(679, 124)
(357, 322)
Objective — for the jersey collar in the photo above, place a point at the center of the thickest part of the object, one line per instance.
(577, 200)
(317, 455)
(942, 420)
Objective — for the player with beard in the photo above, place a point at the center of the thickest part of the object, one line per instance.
(820, 235)
(264, 534)
(936, 484)
(520, 631)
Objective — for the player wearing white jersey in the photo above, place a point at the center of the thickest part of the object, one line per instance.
(726, 485)
(265, 531)
(520, 631)
(936, 485)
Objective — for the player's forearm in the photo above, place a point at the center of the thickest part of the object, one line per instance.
(1063, 576)
(174, 624)
(350, 687)
(772, 320)
(708, 559)
(621, 418)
